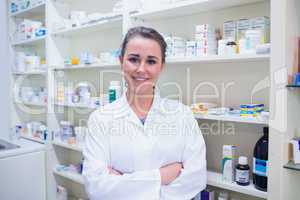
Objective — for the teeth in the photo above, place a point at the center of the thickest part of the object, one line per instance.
(140, 79)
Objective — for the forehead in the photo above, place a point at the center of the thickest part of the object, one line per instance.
(143, 46)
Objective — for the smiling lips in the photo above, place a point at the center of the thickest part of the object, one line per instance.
(141, 79)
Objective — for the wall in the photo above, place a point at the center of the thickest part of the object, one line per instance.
(4, 74)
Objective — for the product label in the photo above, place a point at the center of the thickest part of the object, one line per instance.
(242, 176)
(112, 96)
(260, 167)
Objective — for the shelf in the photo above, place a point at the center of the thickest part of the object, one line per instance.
(112, 22)
(92, 66)
(215, 179)
(293, 86)
(233, 118)
(35, 139)
(34, 41)
(189, 7)
(41, 104)
(292, 166)
(36, 10)
(192, 60)
(30, 73)
(75, 177)
(75, 147)
(219, 59)
(83, 106)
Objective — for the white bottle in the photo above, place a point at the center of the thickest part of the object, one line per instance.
(61, 193)
(114, 91)
(223, 196)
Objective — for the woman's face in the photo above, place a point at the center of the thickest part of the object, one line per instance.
(142, 64)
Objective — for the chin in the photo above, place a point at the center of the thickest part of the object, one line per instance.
(139, 90)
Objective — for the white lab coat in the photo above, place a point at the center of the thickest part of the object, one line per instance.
(117, 138)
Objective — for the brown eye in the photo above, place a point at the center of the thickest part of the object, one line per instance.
(133, 60)
(151, 62)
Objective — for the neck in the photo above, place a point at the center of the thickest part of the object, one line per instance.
(140, 104)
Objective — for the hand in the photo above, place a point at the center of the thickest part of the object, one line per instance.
(170, 172)
(113, 171)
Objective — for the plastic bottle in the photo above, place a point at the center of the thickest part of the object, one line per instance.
(114, 91)
(260, 162)
(242, 171)
(223, 196)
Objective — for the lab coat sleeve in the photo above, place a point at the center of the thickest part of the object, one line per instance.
(102, 185)
(193, 176)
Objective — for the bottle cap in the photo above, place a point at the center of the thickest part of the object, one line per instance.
(243, 160)
(266, 130)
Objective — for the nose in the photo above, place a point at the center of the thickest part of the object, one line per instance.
(142, 67)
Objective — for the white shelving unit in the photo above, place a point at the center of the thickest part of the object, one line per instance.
(77, 178)
(23, 112)
(215, 179)
(111, 22)
(92, 66)
(75, 147)
(107, 34)
(189, 7)
(219, 59)
(41, 104)
(37, 9)
(34, 41)
(34, 139)
(30, 73)
(233, 118)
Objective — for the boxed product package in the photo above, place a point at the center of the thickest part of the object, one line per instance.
(229, 162)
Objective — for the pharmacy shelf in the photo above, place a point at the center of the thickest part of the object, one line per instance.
(92, 66)
(111, 22)
(75, 177)
(74, 105)
(293, 86)
(35, 139)
(75, 147)
(215, 179)
(35, 10)
(219, 59)
(34, 41)
(292, 166)
(188, 7)
(30, 73)
(40, 104)
(233, 118)
(179, 61)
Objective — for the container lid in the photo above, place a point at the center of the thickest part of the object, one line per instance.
(243, 160)
(266, 130)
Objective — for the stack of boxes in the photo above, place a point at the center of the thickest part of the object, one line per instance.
(251, 110)
(248, 34)
(19, 5)
(206, 43)
(175, 46)
(29, 29)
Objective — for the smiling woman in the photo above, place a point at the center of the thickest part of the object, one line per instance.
(143, 146)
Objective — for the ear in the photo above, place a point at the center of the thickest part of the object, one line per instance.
(162, 66)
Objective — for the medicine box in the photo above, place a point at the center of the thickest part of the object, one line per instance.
(229, 161)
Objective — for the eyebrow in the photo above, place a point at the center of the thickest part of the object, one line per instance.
(137, 55)
(153, 57)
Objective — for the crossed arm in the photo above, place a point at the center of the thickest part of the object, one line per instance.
(176, 181)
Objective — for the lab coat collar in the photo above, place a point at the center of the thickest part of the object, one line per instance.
(126, 110)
